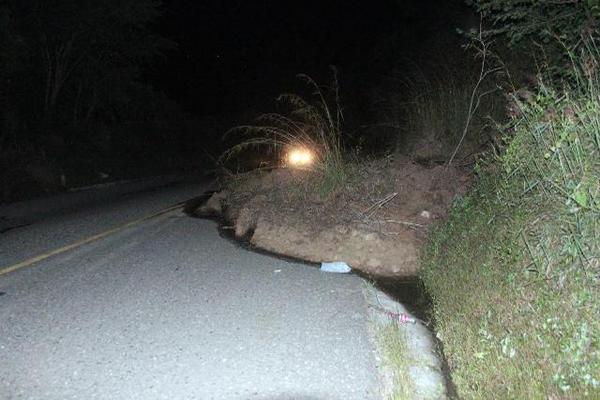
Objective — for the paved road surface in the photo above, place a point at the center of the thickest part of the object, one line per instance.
(167, 309)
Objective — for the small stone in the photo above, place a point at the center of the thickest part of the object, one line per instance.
(369, 237)
(425, 214)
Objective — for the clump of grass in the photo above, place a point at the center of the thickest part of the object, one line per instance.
(515, 272)
(395, 352)
(314, 124)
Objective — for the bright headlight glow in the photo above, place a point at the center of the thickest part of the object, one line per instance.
(300, 157)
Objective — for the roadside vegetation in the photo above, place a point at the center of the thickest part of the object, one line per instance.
(514, 272)
(395, 351)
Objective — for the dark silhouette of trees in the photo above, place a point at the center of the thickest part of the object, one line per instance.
(80, 47)
(70, 76)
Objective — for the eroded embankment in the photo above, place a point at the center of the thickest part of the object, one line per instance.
(376, 222)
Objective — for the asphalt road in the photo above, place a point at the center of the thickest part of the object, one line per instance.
(167, 309)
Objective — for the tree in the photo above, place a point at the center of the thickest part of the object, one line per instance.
(542, 21)
(84, 47)
(68, 71)
(12, 54)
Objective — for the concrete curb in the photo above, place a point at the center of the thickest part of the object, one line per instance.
(425, 365)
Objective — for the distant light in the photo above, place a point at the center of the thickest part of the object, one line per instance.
(300, 157)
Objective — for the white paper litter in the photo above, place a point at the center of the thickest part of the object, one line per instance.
(337, 267)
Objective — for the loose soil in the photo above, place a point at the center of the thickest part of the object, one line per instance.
(375, 221)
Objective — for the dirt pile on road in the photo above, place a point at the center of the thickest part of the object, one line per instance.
(375, 222)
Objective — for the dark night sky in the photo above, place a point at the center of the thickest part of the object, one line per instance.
(234, 53)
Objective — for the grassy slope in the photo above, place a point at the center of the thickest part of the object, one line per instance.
(515, 271)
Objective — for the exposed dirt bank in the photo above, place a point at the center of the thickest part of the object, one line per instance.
(375, 222)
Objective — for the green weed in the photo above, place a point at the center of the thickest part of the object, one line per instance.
(395, 353)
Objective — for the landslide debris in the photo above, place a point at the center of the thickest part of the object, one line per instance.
(376, 221)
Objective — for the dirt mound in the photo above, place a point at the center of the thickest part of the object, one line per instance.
(376, 222)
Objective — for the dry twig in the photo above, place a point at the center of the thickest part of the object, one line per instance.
(377, 205)
(482, 48)
(407, 223)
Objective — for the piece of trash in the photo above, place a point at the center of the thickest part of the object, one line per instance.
(402, 318)
(406, 319)
(338, 267)
(425, 214)
(277, 271)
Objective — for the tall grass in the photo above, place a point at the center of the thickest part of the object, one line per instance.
(515, 272)
(430, 109)
(314, 124)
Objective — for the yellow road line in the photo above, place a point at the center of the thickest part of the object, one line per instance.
(41, 257)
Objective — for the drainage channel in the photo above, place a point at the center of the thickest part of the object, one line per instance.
(410, 293)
